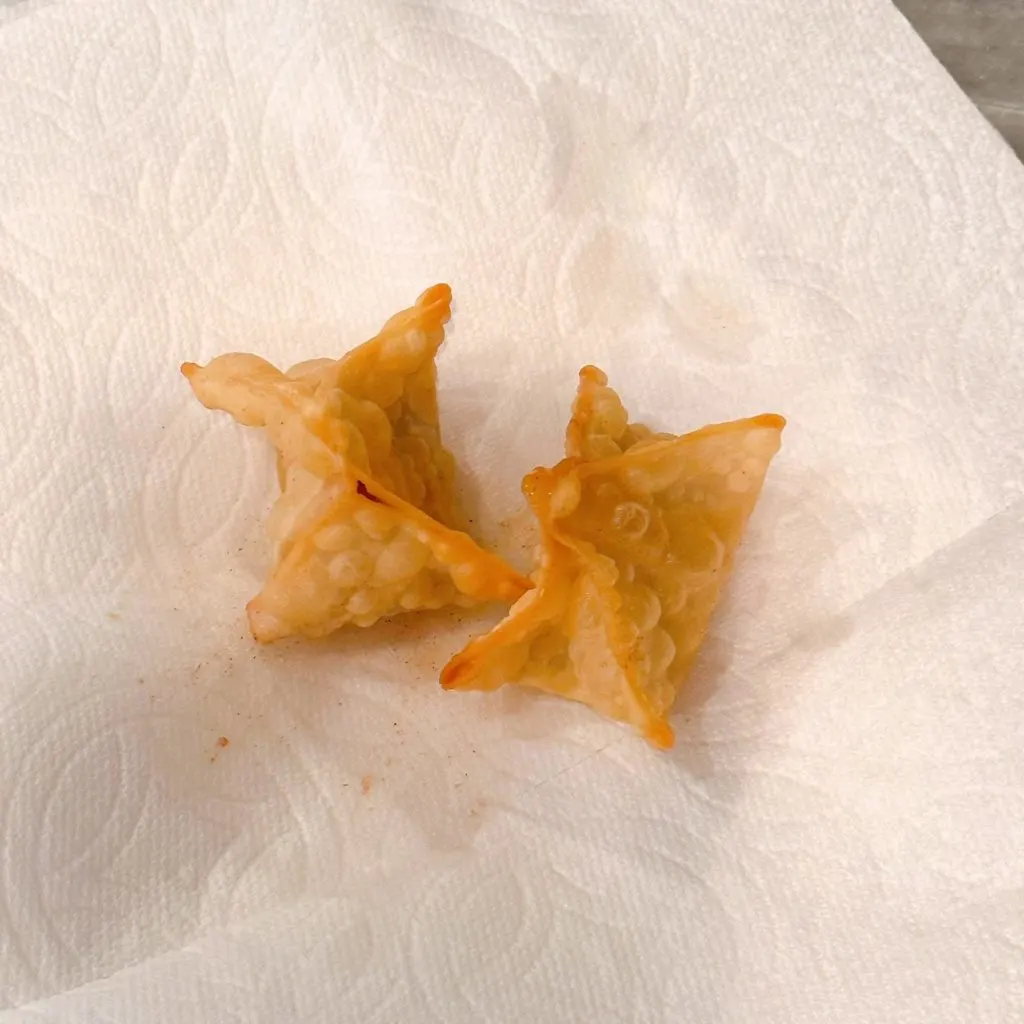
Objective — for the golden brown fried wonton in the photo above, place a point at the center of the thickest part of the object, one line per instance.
(638, 536)
(365, 524)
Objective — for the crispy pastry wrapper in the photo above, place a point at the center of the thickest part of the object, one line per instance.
(367, 524)
(639, 532)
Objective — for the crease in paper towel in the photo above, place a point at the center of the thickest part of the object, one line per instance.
(730, 209)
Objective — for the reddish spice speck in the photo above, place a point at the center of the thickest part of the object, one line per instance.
(223, 741)
(367, 784)
(362, 490)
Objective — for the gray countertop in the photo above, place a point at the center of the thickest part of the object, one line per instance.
(981, 43)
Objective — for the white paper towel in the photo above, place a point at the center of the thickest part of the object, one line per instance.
(730, 206)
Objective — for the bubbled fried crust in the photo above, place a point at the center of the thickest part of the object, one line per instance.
(375, 408)
(360, 553)
(366, 522)
(599, 425)
(636, 549)
(395, 371)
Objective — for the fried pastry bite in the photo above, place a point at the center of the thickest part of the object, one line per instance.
(639, 532)
(366, 524)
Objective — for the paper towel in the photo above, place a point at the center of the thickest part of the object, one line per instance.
(730, 207)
